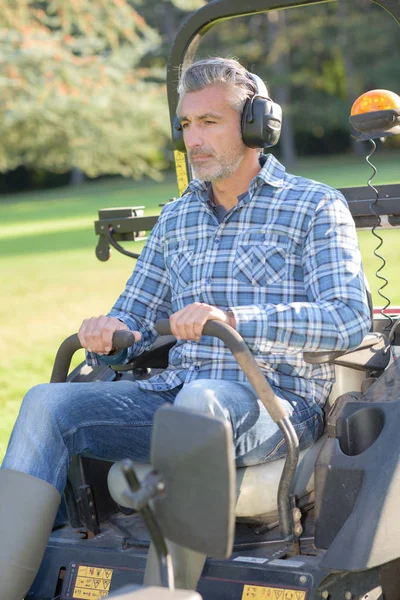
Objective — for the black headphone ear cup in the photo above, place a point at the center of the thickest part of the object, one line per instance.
(261, 122)
(177, 135)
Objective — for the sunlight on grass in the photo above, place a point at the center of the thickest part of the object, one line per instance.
(51, 280)
(350, 170)
(40, 227)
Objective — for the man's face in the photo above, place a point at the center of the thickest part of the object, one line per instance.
(211, 132)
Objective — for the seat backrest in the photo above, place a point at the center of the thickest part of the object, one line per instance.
(346, 380)
(353, 367)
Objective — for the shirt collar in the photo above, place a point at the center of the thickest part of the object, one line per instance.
(272, 173)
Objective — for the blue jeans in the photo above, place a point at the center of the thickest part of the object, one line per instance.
(112, 421)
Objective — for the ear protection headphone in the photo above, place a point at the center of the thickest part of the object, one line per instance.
(261, 120)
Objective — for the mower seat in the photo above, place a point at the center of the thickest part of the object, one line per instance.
(257, 486)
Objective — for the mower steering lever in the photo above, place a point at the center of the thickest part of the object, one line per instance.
(246, 360)
(121, 339)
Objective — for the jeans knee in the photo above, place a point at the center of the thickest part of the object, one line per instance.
(40, 405)
(33, 398)
(201, 396)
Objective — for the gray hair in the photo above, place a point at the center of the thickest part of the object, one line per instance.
(210, 71)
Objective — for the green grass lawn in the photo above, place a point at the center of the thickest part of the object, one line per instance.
(51, 279)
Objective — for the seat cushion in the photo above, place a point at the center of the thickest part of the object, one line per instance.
(257, 486)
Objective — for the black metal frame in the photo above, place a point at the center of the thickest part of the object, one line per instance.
(359, 199)
(388, 204)
(200, 22)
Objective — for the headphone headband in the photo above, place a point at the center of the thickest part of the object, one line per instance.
(260, 87)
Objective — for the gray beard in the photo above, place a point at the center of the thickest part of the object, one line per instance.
(218, 173)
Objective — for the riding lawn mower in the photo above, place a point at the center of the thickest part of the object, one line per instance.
(320, 523)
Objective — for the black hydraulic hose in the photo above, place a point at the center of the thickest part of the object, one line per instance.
(377, 223)
(109, 233)
(246, 360)
(121, 339)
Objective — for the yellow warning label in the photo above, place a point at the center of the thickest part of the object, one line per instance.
(181, 171)
(256, 592)
(85, 571)
(91, 594)
(92, 582)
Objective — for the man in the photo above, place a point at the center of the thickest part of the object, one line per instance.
(273, 255)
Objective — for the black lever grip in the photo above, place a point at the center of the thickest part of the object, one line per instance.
(121, 339)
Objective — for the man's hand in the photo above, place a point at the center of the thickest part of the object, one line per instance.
(96, 334)
(188, 323)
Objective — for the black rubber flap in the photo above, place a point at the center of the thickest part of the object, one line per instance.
(194, 453)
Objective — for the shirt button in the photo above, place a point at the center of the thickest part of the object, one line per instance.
(176, 246)
(216, 241)
(196, 368)
(209, 280)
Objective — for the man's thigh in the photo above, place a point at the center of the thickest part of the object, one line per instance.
(257, 437)
(111, 420)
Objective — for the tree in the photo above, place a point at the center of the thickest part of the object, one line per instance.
(280, 67)
(73, 92)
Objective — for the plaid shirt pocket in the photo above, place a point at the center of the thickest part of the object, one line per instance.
(179, 255)
(260, 260)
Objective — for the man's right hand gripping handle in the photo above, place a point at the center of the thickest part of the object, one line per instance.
(95, 334)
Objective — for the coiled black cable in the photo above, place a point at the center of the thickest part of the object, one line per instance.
(377, 224)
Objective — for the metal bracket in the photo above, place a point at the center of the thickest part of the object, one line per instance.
(87, 510)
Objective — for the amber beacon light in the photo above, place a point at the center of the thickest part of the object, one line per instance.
(376, 114)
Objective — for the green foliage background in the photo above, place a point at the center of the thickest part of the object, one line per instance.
(82, 84)
(74, 92)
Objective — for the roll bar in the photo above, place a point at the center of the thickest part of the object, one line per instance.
(200, 22)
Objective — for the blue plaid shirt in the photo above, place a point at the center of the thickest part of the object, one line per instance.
(285, 260)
